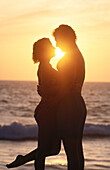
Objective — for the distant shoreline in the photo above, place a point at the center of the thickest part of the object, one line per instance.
(36, 81)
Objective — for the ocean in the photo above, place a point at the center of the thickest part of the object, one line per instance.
(18, 129)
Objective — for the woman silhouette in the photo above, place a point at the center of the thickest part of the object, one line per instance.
(48, 142)
(72, 110)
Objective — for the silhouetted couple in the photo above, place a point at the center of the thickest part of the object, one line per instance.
(61, 112)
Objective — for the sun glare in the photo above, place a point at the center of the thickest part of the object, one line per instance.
(58, 53)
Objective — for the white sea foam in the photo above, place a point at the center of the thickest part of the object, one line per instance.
(18, 131)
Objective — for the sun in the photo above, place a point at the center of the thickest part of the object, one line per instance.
(58, 53)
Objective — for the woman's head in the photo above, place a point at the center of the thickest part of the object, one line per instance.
(64, 36)
(43, 50)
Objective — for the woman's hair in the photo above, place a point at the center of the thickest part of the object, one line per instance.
(65, 31)
(39, 48)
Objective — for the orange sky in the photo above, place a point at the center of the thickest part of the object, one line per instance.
(25, 21)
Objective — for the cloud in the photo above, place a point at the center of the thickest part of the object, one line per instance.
(84, 14)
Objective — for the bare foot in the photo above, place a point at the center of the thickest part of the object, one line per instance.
(18, 161)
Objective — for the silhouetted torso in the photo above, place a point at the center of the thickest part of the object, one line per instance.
(47, 78)
(45, 114)
(72, 110)
(72, 71)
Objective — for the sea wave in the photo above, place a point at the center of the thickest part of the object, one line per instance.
(18, 131)
(97, 130)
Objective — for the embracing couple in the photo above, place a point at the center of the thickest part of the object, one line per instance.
(61, 113)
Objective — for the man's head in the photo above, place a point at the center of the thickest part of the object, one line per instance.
(64, 36)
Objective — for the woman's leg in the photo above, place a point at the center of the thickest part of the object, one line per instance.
(48, 149)
(20, 159)
(74, 152)
(39, 163)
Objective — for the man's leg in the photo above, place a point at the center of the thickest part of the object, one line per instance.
(74, 152)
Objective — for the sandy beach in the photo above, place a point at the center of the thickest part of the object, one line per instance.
(96, 152)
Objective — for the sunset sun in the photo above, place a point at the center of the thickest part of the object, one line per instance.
(58, 53)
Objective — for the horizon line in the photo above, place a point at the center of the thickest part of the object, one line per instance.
(37, 80)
